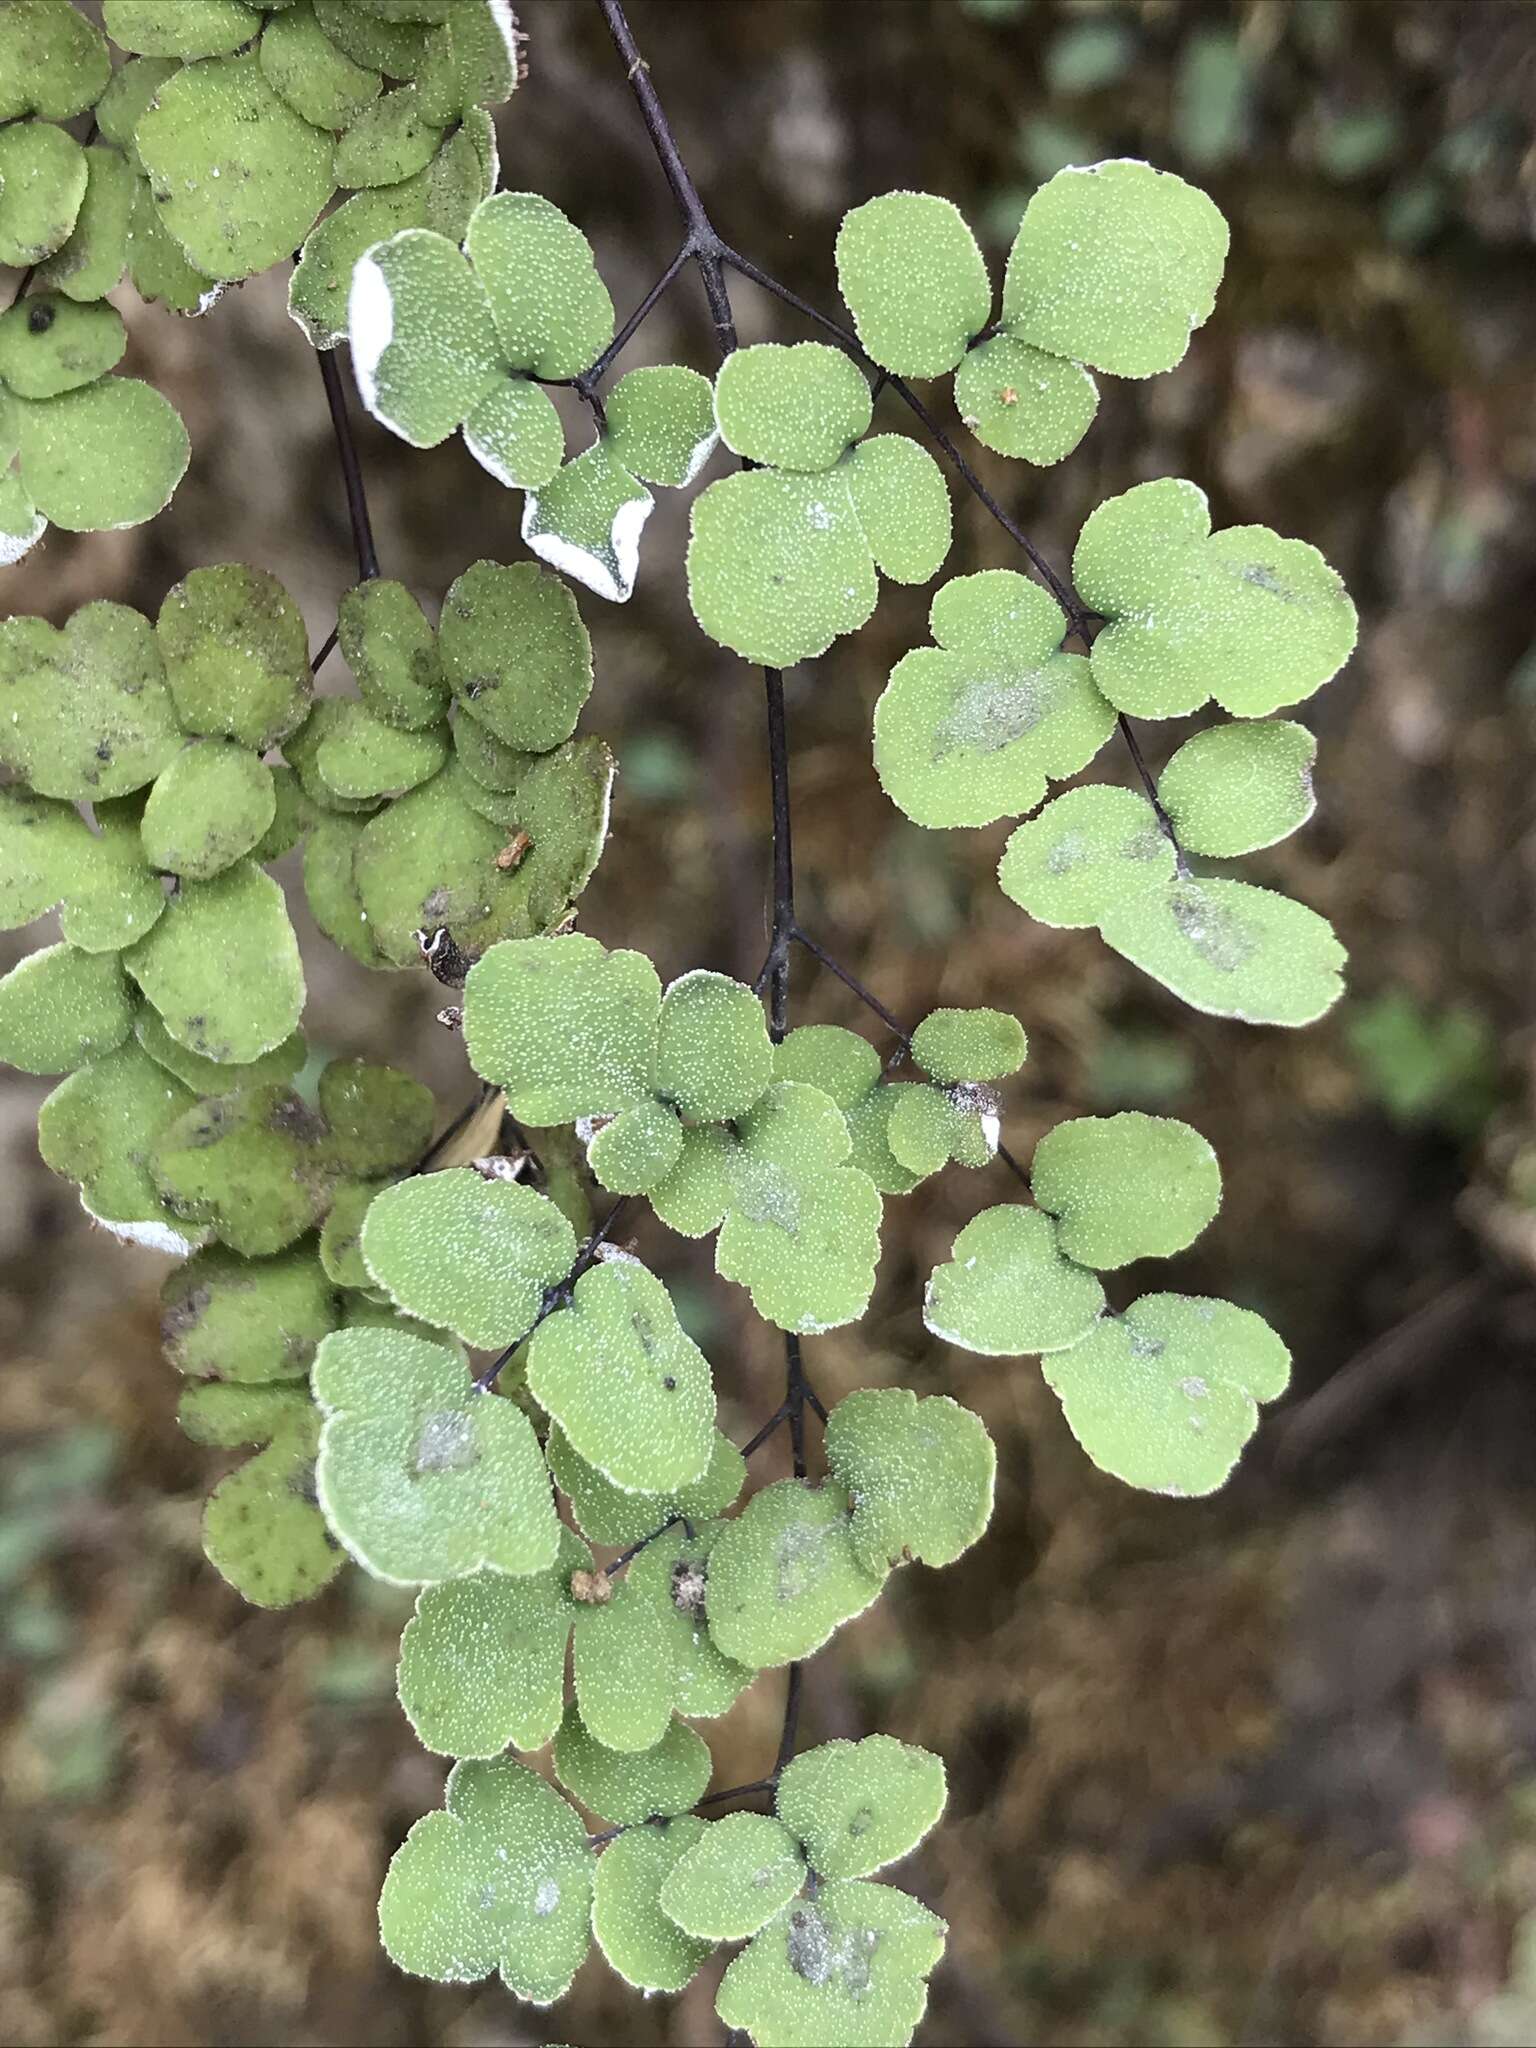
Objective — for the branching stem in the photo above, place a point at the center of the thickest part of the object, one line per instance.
(559, 1295)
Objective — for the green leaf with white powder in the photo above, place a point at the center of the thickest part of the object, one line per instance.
(736, 1876)
(1242, 615)
(60, 1007)
(261, 1529)
(104, 457)
(222, 966)
(516, 653)
(1008, 1290)
(625, 1788)
(899, 493)
(1091, 854)
(565, 1027)
(84, 709)
(849, 1966)
(48, 344)
(552, 311)
(913, 278)
(1114, 265)
(631, 1391)
(606, 1514)
(238, 177)
(857, 1806)
(515, 433)
(421, 1476)
(641, 1944)
(467, 1254)
(796, 407)
(424, 351)
(661, 423)
(246, 1321)
(93, 259)
(587, 521)
(43, 176)
(236, 655)
(52, 60)
(1236, 788)
(920, 1475)
(779, 565)
(482, 1660)
(501, 1879)
(209, 806)
(714, 1058)
(1233, 950)
(970, 730)
(1019, 401)
(1125, 1187)
(784, 1576)
(1165, 1396)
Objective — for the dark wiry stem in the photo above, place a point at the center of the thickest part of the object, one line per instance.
(558, 1295)
(351, 469)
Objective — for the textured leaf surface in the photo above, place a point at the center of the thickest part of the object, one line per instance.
(803, 1228)
(1237, 788)
(99, 1127)
(784, 1576)
(422, 1477)
(93, 259)
(237, 176)
(208, 1077)
(969, 1045)
(737, 1875)
(252, 1165)
(180, 28)
(1164, 1397)
(625, 1669)
(1022, 402)
(210, 805)
(501, 1879)
(1242, 615)
(389, 647)
(236, 655)
(1008, 1290)
(467, 1254)
(795, 407)
(157, 263)
(670, 1578)
(914, 280)
(627, 1788)
(1233, 950)
(1092, 854)
(391, 139)
(920, 1475)
(587, 521)
(423, 349)
(318, 80)
(52, 60)
(360, 757)
(968, 731)
(470, 59)
(261, 1529)
(516, 654)
(47, 854)
(104, 457)
(631, 1391)
(1125, 1187)
(641, 1942)
(856, 1806)
(778, 565)
(608, 1514)
(222, 966)
(565, 1027)
(60, 1007)
(713, 1054)
(515, 433)
(848, 1966)
(246, 1320)
(899, 493)
(1114, 265)
(552, 311)
(482, 1660)
(825, 1056)
(43, 176)
(48, 344)
(661, 423)
(84, 711)
(637, 1151)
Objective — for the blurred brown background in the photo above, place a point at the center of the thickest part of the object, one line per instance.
(1260, 1769)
